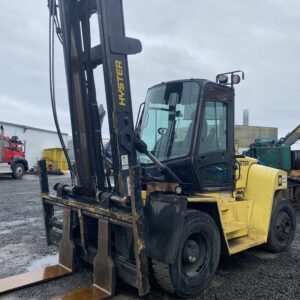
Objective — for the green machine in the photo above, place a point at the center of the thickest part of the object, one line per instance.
(279, 155)
(271, 153)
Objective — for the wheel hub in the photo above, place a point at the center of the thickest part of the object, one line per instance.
(194, 255)
(191, 251)
(283, 227)
(19, 170)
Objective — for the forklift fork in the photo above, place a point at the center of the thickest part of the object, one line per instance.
(104, 268)
(63, 268)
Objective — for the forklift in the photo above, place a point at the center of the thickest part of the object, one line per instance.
(179, 197)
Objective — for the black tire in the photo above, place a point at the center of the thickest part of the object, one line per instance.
(18, 171)
(297, 195)
(197, 257)
(282, 227)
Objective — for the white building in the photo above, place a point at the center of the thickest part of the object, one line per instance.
(36, 139)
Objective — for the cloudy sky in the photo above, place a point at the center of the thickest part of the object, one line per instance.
(181, 39)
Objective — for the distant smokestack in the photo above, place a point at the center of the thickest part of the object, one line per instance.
(246, 117)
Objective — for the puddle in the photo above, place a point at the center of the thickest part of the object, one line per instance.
(43, 262)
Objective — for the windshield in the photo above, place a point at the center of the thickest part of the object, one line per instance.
(167, 125)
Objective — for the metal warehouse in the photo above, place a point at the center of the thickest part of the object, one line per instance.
(36, 139)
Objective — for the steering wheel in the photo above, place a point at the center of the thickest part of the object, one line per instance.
(162, 130)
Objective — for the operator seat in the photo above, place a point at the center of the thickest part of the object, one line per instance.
(180, 147)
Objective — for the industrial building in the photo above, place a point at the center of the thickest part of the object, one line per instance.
(35, 139)
(246, 135)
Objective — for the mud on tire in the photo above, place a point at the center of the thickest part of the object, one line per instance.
(282, 227)
(197, 257)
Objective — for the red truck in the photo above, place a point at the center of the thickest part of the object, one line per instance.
(12, 156)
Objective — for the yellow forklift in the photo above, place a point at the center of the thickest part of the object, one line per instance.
(179, 196)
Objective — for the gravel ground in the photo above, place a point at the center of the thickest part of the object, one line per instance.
(254, 274)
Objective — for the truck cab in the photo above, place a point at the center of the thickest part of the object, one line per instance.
(12, 156)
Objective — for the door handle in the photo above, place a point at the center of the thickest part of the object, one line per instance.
(203, 159)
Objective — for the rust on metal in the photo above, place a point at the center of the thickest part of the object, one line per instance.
(87, 293)
(87, 206)
(66, 245)
(12, 283)
(103, 265)
(139, 233)
(82, 232)
(295, 173)
(161, 187)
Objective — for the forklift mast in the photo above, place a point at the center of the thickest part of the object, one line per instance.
(80, 62)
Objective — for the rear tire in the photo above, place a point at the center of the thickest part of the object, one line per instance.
(197, 257)
(282, 227)
(18, 171)
(297, 195)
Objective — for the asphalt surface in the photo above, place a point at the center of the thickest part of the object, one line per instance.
(253, 274)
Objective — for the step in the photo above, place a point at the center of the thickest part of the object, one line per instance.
(5, 168)
(230, 227)
(244, 243)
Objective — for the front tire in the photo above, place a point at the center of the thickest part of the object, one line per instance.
(18, 171)
(197, 257)
(282, 227)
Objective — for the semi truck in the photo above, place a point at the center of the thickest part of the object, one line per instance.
(12, 156)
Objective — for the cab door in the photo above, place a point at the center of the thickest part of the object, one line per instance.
(6, 156)
(215, 157)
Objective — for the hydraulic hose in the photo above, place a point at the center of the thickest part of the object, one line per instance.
(52, 28)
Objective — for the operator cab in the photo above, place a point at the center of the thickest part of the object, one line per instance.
(189, 126)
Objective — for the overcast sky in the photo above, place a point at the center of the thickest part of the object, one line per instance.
(181, 39)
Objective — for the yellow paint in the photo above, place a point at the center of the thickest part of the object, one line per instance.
(236, 146)
(144, 197)
(242, 172)
(120, 82)
(245, 214)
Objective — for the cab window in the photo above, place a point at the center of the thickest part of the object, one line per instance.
(6, 144)
(214, 128)
(215, 159)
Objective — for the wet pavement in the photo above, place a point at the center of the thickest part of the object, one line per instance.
(253, 274)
